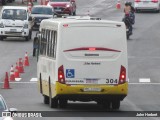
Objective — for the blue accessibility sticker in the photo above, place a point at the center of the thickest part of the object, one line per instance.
(70, 73)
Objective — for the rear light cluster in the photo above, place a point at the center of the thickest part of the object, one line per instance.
(122, 76)
(61, 77)
(155, 1)
(92, 49)
(137, 0)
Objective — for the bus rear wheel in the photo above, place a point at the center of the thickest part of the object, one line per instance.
(62, 103)
(53, 102)
(46, 99)
(106, 104)
(116, 104)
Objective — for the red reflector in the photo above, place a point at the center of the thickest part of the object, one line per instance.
(92, 49)
(65, 25)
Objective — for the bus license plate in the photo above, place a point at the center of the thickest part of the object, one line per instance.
(92, 81)
(92, 89)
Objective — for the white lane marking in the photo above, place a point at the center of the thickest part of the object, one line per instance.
(18, 79)
(145, 80)
(33, 80)
(19, 82)
(144, 83)
(110, 6)
(147, 57)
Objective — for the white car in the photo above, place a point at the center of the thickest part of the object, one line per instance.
(15, 22)
(147, 5)
(4, 108)
(40, 12)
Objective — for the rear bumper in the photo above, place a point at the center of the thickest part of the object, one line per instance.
(147, 7)
(76, 92)
(20, 32)
(91, 97)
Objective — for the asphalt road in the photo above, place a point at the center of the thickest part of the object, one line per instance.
(143, 56)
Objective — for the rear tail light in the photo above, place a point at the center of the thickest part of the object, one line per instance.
(61, 77)
(154, 1)
(122, 76)
(92, 49)
(137, 0)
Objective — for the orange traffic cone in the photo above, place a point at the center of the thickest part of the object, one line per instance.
(29, 6)
(20, 67)
(118, 5)
(6, 82)
(26, 60)
(16, 72)
(12, 77)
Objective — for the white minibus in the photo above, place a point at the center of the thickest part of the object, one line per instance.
(82, 59)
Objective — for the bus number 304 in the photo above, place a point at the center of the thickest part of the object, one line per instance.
(111, 81)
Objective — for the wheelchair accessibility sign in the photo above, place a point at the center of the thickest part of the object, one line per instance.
(70, 73)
